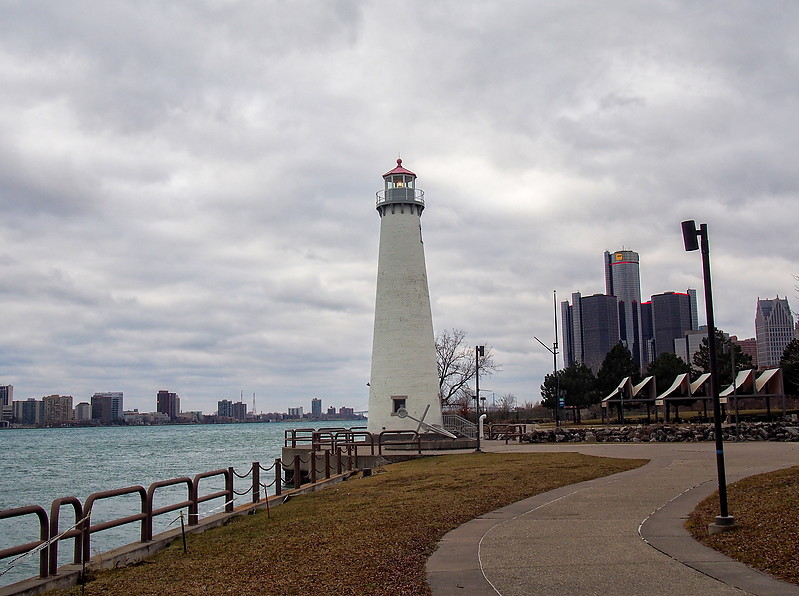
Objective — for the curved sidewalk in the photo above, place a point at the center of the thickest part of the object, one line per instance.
(622, 534)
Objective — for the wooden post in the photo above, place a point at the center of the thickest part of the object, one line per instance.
(256, 481)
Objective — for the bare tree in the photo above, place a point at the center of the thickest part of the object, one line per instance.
(456, 366)
(507, 403)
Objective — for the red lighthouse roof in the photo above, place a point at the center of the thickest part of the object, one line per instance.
(399, 170)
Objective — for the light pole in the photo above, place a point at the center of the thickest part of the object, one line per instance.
(479, 351)
(690, 238)
(554, 352)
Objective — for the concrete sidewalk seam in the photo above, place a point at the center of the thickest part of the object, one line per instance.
(504, 521)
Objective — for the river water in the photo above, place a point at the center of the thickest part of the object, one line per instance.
(40, 465)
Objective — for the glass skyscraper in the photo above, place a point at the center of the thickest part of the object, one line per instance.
(673, 313)
(590, 329)
(623, 281)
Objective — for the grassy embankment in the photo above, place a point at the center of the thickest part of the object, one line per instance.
(766, 508)
(363, 536)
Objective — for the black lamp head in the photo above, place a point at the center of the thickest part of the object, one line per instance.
(689, 236)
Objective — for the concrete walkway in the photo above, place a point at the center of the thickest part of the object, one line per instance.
(621, 534)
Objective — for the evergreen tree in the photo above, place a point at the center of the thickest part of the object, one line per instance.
(578, 383)
(724, 348)
(665, 368)
(618, 364)
(789, 363)
(549, 398)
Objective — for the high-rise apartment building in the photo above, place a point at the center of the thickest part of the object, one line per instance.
(168, 403)
(590, 329)
(83, 412)
(107, 407)
(6, 402)
(316, 407)
(57, 409)
(239, 411)
(774, 329)
(6, 395)
(224, 408)
(29, 412)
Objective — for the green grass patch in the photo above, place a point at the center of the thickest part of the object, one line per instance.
(766, 509)
(363, 536)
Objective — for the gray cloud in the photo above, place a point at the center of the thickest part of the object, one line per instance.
(187, 190)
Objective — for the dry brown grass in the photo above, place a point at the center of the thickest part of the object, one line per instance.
(363, 536)
(766, 509)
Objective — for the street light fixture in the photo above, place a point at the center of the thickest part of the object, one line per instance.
(691, 237)
(554, 351)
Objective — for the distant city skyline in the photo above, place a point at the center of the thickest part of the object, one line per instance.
(106, 409)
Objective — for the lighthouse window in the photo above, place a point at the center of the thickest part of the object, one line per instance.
(398, 402)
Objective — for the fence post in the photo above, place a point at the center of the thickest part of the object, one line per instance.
(278, 476)
(297, 472)
(339, 468)
(55, 510)
(327, 464)
(313, 467)
(229, 490)
(85, 539)
(256, 481)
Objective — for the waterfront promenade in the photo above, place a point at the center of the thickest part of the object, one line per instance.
(617, 535)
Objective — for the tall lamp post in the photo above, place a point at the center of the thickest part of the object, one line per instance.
(554, 351)
(691, 238)
(479, 351)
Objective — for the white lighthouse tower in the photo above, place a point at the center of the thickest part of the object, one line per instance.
(403, 388)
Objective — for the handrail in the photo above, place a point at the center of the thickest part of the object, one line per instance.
(89, 529)
(44, 535)
(400, 195)
(350, 441)
(194, 511)
(319, 438)
(166, 509)
(76, 532)
(400, 433)
(295, 438)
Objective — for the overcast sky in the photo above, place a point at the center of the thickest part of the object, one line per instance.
(187, 189)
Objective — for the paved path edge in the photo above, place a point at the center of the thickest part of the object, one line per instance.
(665, 531)
(454, 567)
